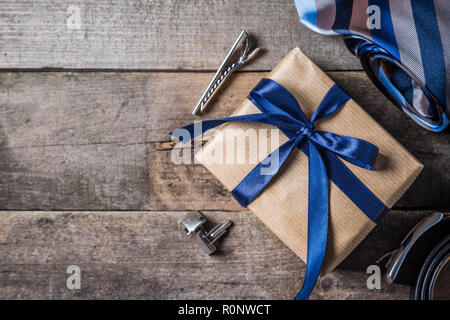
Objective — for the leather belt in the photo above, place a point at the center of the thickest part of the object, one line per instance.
(427, 245)
(431, 269)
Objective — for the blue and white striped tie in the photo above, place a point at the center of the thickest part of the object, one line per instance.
(403, 45)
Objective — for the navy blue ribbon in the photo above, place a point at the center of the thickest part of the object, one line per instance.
(280, 108)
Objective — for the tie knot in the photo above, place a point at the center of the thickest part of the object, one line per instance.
(307, 130)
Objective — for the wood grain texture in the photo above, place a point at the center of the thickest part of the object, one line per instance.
(156, 34)
(98, 141)
(145, 255)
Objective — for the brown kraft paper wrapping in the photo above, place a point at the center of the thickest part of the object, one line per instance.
(283, 204)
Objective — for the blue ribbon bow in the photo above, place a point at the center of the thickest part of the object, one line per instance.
(280, 108)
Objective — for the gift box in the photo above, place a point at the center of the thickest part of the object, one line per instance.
(283, 204)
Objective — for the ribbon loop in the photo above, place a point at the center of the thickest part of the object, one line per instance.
(269, 96)
(353, 150)
(330, 104)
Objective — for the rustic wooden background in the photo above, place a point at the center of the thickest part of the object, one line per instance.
(85, 170)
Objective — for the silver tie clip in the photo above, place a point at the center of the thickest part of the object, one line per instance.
(225, 69)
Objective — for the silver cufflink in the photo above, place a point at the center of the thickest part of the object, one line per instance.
(194, 225)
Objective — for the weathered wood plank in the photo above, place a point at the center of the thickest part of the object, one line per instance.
(98, 141)
(155, 34)
(129, 255)
(193, 187)
(138, 177)
(65, 108)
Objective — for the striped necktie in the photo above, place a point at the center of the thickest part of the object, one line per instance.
(403, 45)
